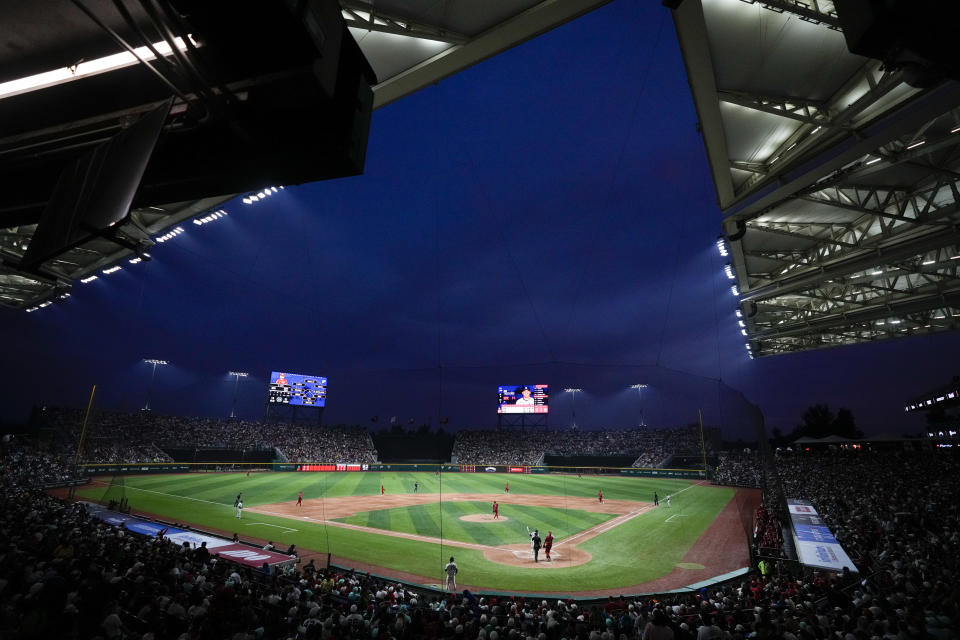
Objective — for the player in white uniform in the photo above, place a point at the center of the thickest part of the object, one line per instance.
(668, 501)
(239, 509)
(451, 571)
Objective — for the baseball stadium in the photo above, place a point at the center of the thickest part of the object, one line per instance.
(264, 264)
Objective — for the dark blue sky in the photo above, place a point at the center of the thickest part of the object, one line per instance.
(546, 216)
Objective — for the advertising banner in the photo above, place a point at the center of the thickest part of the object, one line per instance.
(240, 553)
(815, 543)
(94, 469)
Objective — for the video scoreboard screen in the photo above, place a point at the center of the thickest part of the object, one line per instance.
(297, 389)
(524, 398)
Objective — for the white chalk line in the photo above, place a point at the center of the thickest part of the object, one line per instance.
(267, 524)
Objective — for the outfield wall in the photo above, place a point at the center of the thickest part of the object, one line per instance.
(209, 467)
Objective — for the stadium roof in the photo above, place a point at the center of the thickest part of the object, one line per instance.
(839, 183)
(410, 44)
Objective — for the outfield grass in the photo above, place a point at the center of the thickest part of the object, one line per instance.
(426, 520)
(640, 550)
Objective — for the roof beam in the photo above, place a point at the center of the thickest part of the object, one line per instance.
(905, 306)
(361, 15)
(807, 111)
(691, 28)
(889, 128)
(854, 262)
(802, 10)
(527, 25)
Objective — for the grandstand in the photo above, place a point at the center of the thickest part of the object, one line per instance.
(837, 179)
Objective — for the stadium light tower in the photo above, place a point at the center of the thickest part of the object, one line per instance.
(640, 387)
(237, 375)
(154, 362)
(573, 390)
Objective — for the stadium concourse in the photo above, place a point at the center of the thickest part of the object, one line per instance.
(64, 574)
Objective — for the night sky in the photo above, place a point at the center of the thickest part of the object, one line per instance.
(545, 216)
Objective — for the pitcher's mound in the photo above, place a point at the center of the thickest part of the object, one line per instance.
(483, 517)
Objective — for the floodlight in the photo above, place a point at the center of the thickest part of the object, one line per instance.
(734, 290)
(639, 386)
(239, 374)
(88, 279)
(154, 361)
(247, 201)
(572, 390)
(87, 68)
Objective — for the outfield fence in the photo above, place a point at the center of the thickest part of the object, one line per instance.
(91, 469)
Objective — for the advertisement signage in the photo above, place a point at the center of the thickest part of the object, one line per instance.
(816, 545)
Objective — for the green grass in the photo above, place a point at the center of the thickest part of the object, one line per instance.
(425, 520)
(642, 549)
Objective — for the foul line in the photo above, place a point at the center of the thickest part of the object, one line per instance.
(163, 493)
(267, 524)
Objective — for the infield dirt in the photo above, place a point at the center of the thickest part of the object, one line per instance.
(565, 552)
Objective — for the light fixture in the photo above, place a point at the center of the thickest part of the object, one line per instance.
(88, 279)
(112, 269)
(154, 361)
(86, 68)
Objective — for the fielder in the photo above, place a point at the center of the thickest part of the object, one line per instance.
(451, 570)
(239, 509)
(668, 501)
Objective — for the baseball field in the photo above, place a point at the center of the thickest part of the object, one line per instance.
(624, 544)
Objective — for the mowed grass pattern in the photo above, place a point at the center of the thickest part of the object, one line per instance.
(644, 548)
(426, 519)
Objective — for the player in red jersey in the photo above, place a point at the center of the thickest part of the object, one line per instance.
(496, 510)
(506, 488)
(300, 499)
(600, 496)
(547, 544)
(381, 489)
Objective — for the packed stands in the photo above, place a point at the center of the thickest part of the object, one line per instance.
(528, 446)
(739, 469)
(65, 575)
(114, 437)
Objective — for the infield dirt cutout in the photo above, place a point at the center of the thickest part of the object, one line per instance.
(565, 552)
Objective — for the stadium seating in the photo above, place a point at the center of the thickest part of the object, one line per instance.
(64, 575)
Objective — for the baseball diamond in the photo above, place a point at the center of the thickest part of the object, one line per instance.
(625, 543)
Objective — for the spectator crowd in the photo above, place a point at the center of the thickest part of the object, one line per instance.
(652, 447)
(116, 437)
(66, 575)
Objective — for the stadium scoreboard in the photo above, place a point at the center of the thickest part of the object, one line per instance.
(298, 390)
(524, 398)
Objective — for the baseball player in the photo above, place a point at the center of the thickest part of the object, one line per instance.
(668, 501)
(381, 489)
(416, 487)
(534, 543)
(656, 499)
(239, 509)
(600, 496)
(451, 571)
(548, 544)
(496, 510)
(237, 500)
(300, 499)
(506, 488)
